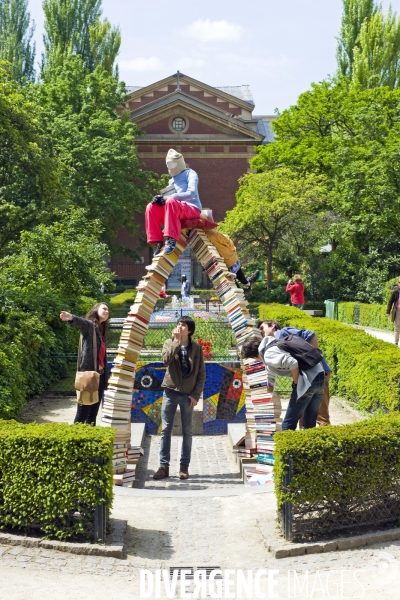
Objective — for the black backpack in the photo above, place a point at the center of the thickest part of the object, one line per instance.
(306, 355)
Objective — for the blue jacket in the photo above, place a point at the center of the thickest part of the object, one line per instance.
(305, 334)
(186, 184)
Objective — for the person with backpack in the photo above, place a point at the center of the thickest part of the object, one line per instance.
(295, 358)
(310, 337)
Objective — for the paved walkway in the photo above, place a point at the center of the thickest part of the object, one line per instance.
(212, 465)
(381, 334)
(195, 533)
(208, 521)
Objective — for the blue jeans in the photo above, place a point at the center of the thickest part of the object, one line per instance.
(300, 306)
(170, 402)
(307, 404)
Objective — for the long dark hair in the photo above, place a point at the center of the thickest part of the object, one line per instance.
(93, 315)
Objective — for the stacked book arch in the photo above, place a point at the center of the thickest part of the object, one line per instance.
(116, 411)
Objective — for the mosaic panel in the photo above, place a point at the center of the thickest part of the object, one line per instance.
(223, 397)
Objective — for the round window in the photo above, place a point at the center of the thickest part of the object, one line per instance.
(179, 124)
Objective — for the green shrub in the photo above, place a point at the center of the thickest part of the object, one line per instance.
(365, 370)
(339, 473)
(260, 293)
(47, 474)
(371, 315)
(35, 349)
(253, 308)
(127, 297)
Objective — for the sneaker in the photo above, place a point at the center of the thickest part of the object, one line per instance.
(158, 248)
(162, 473)
(253, 277)
(170, 244)
(183, 472)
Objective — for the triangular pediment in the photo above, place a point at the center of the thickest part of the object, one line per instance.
(178, 103)
(240, 104)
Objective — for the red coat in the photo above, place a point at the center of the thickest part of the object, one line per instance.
(296, 293)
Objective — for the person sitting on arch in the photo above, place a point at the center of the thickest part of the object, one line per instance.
(184, 203)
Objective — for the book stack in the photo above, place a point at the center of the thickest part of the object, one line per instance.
(128, 477)
(230, 295)
(133, 454)
(236, 307)
(117, 405)
(119, 457)
(263, 408)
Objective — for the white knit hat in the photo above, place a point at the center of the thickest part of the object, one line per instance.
(175, 162)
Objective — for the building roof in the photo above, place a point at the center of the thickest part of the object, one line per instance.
(176, 97)
(265, 129)
(243, 92)
(133, 88)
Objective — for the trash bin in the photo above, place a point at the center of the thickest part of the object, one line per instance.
(331, 309)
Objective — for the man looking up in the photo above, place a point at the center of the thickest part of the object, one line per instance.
(183, 384)
(310, 337)
(308, 385)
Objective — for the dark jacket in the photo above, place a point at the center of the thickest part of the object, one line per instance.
(193, 384)
(86, 328)
(393, 303)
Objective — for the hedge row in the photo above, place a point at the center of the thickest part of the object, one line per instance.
(347, 474)
(47, 474)
(371, 315)
(343, 450)
(119, 300)
(365, 370)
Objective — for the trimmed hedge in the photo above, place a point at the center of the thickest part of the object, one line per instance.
(319, 452)
(345, 473)
(365, 370)
(371, 315)
(119, 300)
(47, 474)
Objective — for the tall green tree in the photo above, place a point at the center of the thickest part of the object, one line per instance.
(350, 135)
(270, 207)
(16, 32)
(75, 26)
(30, 173)
(96, 145)
(377, 56)
(355, 13)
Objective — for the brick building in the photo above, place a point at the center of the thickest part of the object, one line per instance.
(215, 130)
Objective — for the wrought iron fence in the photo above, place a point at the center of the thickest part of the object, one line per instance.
(308, 521)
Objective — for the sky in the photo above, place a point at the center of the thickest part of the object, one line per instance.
(278, 48)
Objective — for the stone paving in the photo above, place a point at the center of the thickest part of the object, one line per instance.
(193, 532)
(174, 524)
(212, 465)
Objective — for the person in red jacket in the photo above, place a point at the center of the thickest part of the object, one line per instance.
(296, 289)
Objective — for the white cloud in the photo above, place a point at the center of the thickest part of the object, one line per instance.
(153, 63)
(189, 63)
(206, 30)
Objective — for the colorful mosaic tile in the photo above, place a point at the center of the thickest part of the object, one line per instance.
(223, 397)
(153, 411)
